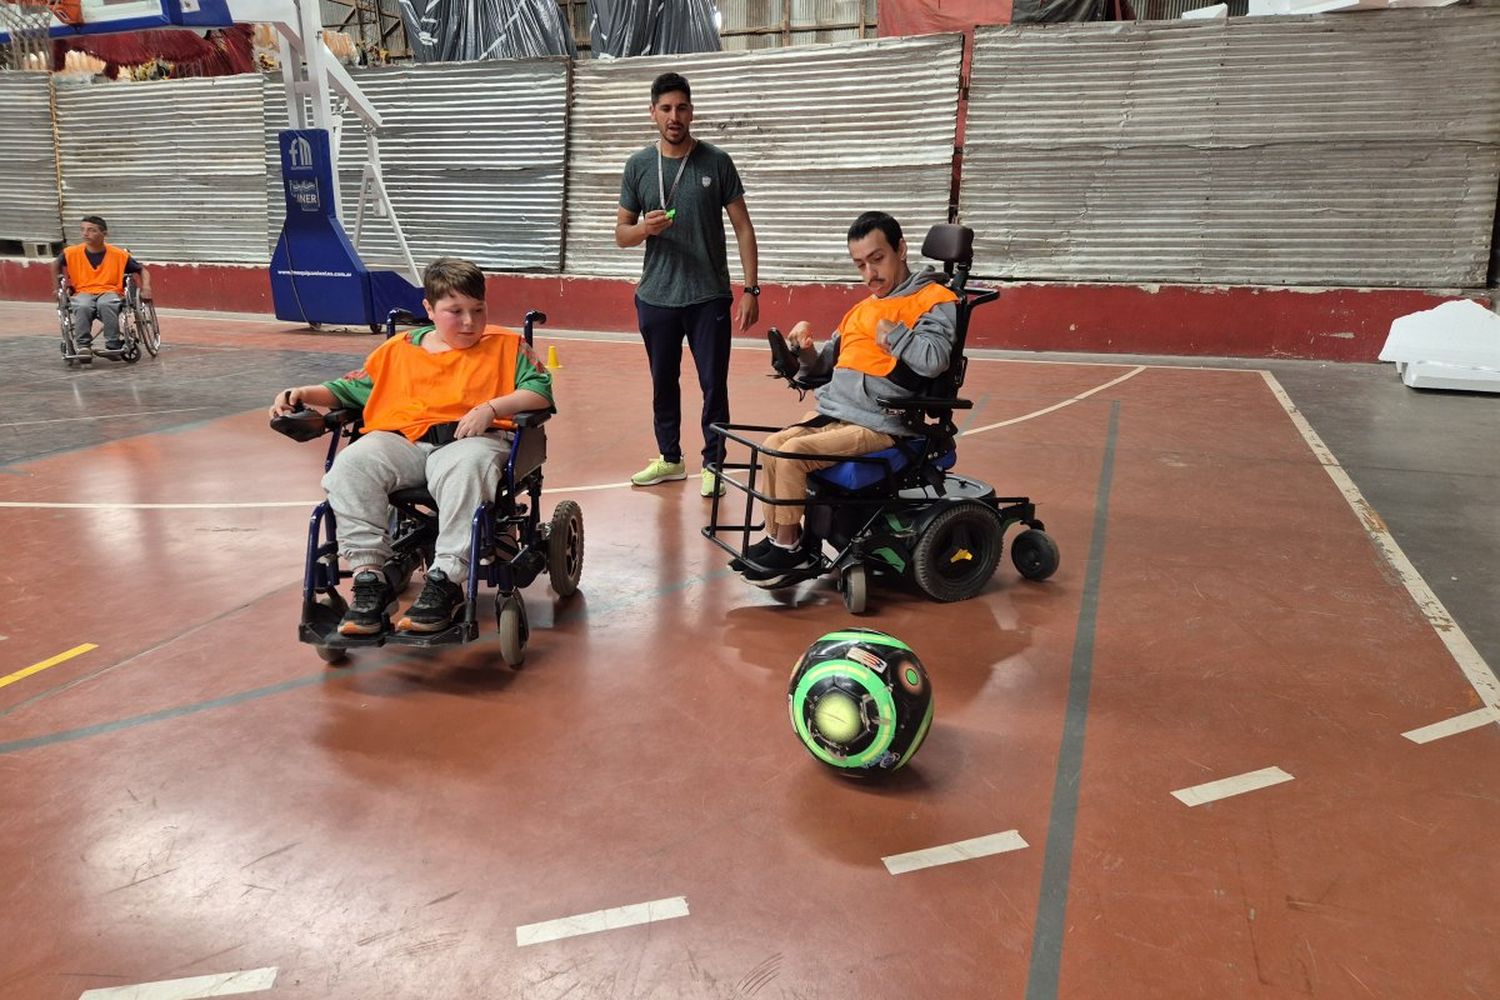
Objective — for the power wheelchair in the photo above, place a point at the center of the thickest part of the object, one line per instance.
(509, 545)
(901, 512)
(138, 326)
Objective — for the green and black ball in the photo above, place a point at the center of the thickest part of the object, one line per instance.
(860, 701)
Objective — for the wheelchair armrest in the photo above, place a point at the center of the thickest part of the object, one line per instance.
(531, 418)
(343, 416)
(926, 403)
(301, 425)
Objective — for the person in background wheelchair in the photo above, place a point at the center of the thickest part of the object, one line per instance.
(96, 273)
(437, 404)
(885, 348)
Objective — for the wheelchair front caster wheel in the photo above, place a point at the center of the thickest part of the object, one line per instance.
(854, 585)
(330, 655)
(565, 548)
(1035, 554)
(511, 623)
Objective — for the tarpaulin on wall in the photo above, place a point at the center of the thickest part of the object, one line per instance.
(926, 17)
(469, 30)
(652, 27)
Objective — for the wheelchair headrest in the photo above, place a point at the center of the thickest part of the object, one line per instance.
(950, 244)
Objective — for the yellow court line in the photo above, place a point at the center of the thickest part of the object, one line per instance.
(51, 661)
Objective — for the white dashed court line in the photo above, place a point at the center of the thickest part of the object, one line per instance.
(1212, 791)
(224, 984)
(602, 920)
(1452, 727)
(947, 854)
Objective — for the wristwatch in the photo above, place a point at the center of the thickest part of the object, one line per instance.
(752, 290)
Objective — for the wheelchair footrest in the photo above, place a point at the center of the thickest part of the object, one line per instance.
(316, 634)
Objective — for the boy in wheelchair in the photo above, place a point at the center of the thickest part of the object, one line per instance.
(885, 348)
(437, 403)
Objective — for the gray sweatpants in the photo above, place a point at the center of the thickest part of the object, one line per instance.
(460, 476)
(86, 307)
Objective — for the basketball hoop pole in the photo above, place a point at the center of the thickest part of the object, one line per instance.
(310, 70)
(311, 76)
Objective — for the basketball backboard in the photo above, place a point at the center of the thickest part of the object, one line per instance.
(102, 17)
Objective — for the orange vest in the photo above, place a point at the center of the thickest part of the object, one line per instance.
(415, 389)
(858, 348)
(109, 276)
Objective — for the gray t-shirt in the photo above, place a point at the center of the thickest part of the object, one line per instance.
(687, 263)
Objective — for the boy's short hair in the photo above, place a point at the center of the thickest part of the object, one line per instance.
(447, 275)
(96, 221)
(668, 82)
(871, 221)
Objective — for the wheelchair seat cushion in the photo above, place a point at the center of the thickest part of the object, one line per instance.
(858, 475)
(413, 495)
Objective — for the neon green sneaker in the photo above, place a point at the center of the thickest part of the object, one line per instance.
(659, 470)
(712, 486)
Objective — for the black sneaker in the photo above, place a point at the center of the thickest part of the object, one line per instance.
(369, 613)
(114, 346)
(782, 566)
(753, 553)
(440, 603)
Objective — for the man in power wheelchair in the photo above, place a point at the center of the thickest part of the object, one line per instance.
(96, 280)
(872, 465)
(444, 469)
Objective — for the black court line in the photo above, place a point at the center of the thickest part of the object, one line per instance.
(1057, 863)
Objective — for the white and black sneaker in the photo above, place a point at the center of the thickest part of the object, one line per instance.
(781, 566)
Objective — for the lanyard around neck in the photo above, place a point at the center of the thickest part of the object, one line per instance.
(661, 184)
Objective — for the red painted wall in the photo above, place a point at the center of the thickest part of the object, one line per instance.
(1337, 324)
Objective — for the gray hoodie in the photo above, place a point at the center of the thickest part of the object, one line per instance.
(851, 395)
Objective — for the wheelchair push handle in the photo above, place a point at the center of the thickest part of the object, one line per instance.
(534, 317)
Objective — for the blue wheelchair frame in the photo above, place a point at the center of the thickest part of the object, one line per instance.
(886, 512)
(508, 546)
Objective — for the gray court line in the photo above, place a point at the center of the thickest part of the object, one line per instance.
(1057, 863)
(69, 735)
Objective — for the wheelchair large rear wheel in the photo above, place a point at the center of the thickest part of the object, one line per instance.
(957, 552)
(565, 548)
(1035, 554)
(147, 327)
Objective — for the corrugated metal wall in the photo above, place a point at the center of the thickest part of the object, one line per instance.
(472, 155)
(28, 170)
(765, 24)
(1327, 150)
(818, 133)
(175, 166)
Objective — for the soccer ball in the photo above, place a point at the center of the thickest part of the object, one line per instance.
(860, 701)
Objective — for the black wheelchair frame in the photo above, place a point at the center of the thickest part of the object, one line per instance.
(138, 326)
(509, 547)
(918, 519)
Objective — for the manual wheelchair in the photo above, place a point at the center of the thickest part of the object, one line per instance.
(509, 545)
(138, 326)
(901, 512)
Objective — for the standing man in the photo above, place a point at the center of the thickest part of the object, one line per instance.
(671, 197)
(96, 274)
